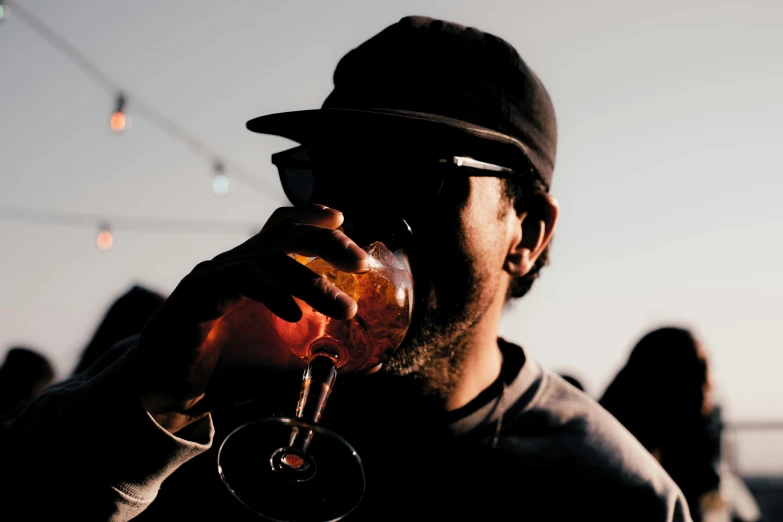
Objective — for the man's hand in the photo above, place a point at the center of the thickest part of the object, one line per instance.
(209, 325)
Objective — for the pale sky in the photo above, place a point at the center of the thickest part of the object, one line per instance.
(669, 170)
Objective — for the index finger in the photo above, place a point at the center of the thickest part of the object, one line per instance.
(318, 215)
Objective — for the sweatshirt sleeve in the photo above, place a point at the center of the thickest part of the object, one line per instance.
(87, 450)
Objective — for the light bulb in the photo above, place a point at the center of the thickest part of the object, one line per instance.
(104, 239)
(119, 121)
(221, 185)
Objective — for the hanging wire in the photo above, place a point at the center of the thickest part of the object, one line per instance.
(142, 109)
(145, 224)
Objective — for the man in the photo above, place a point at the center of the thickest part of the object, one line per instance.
(443, 126)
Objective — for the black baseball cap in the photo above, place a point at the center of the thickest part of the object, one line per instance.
(422, 82)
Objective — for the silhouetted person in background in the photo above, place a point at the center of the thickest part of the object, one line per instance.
(124, 318)
(663, 396)
(24, 375)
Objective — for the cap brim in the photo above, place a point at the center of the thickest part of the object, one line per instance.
(393, 127)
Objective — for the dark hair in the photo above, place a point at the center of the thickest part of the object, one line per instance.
(524, 193)
(126, 317)
(662, 380)
(24, 374)
(659, 397)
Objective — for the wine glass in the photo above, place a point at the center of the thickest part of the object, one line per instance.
(292, 469)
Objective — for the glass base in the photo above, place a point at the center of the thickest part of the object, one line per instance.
(324, 483)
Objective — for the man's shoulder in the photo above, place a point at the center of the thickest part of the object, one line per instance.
(572, 440)
(582, 431)
(551, 413)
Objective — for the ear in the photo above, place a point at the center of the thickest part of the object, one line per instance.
(530, 234)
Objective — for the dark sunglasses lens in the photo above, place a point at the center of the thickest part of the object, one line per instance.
(299, 185)
(362, 184)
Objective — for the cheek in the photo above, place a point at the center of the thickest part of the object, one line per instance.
(483, 240)
(460, 243)
(444, 268)
(484, 228)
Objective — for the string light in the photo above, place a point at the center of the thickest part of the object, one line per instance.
(140, 109)
(221, 185)
(119, 122)
(104, 239)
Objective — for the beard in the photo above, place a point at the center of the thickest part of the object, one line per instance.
(448, 303)
(457, 275)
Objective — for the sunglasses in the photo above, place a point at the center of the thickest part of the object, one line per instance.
(363, 179)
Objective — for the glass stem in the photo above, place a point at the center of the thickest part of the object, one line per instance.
(317, 383)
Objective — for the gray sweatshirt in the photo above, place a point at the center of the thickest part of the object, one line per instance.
(86, 449)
